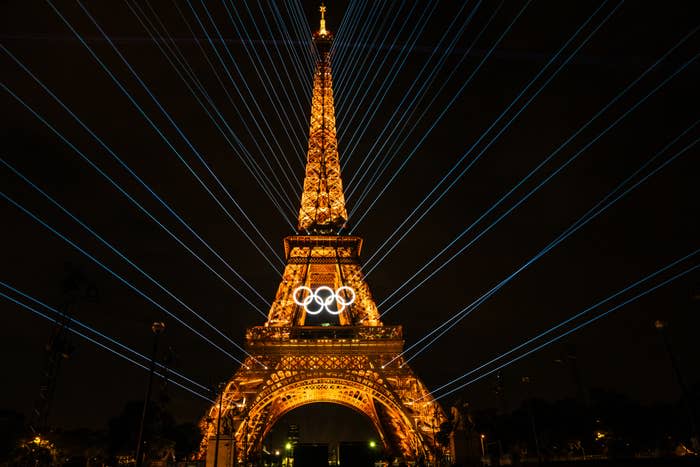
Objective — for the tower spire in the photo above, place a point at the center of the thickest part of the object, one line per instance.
(322, 30)
(322, 201)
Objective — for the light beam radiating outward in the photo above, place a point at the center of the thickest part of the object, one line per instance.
(564, 334)
(542, 164)
(281, 64)
(340, 45)
(122, 256)
(483, 135)
(160, 373)
(541, 184)
(160, 132)
(614, 196)
(443, 112)
(119, 277)
(73, 321)
(276, 154)
(303, 73)
(569, 320)
(229, 135)
(143, 209)
(354, 51)
(276, 186)
(347, 105)
(395, 124)
(381, 92)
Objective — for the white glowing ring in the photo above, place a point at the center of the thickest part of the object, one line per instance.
(313, 296)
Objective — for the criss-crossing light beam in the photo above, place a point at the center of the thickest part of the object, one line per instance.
(523, 199)
(359, 84)
(159, 131)
(159, 373)
(367, 25)
(73, 320)
(570, 331)
(454, 98)
(304, 73)
(267, 134)
(122, 255)
(277, 186)
(274, 65)
(394, 124)
(119, 277)
(229, 135)
(354, 14)
(565, 322)
(575, 226)
(493, 124)
(127, 195)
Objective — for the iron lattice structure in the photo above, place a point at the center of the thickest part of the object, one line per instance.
(355, 362)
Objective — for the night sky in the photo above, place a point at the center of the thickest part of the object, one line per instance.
(653, 225)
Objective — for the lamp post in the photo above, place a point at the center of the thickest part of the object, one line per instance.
(482, 437)
(661, 327)
(218, 425)
(157, 328)
(526, 380)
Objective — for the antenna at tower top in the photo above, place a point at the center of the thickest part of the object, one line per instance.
(322, 30)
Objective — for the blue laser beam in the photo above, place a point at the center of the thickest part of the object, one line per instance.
(139, 205)
(454, 98)
(105, 347)
(359, 83)
(117, 276)
(495, 122)
(394, 124)
(580, 326)
(465, 231)
(241, 151)
(567, 321)
(277, 186)
(579, 223)
(177, 128)
(73, 320)
(121, 255)
(266, 136)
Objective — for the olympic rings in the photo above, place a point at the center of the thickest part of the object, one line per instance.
(324, 298)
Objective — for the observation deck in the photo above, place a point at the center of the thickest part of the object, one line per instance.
(324, 339)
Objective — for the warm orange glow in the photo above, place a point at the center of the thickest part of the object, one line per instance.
(293, 364)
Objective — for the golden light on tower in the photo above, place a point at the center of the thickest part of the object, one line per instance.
(353, 360)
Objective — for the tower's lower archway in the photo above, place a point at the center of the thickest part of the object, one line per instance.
(358, 368)
(323, 423)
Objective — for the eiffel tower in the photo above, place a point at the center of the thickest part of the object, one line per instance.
(295, 358)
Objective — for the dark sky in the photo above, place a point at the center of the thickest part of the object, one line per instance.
(652, 226)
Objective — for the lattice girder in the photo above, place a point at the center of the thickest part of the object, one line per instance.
(322, 201)
(315, 261)
(258, 398)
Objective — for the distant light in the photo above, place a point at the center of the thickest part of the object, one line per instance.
(288, 446)
(372, 444)
(277, 452)
(483, 436)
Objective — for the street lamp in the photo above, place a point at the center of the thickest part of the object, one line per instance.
(157, 329)
(288, 449)
(222, 386)
(661, 327)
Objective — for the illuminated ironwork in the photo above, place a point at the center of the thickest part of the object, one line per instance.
(354, 361)
(322, 201)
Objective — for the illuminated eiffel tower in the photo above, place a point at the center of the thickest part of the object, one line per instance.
(297, 359)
